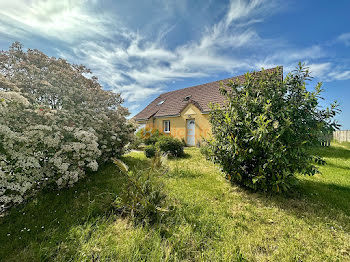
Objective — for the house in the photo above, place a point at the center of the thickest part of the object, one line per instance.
(184, 113)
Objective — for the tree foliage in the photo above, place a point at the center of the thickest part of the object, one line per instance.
(262, 135)
(56, 122)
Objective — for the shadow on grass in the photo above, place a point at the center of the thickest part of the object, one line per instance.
(184, 156)
(332, 152)
(312, 200)
(344, 167)
(325, 199)
(331, 196)
(136, 163)
(34, 230)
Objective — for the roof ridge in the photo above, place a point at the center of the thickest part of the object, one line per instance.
(181, 89)
(229, 78)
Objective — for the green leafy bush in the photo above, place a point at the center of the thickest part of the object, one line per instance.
(171, 145)
(153, 137)
(263, 134)
(150, 151)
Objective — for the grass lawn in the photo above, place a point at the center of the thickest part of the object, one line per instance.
(217, 221)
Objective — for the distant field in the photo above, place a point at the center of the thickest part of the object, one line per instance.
(217, 221)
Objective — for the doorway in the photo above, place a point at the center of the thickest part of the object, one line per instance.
(191, 131)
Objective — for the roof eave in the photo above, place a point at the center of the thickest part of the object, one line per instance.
(141, 119)
(168, 116)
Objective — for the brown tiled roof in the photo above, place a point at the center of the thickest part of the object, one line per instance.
(200, 95)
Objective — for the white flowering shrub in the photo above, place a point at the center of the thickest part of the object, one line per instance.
(55, 124)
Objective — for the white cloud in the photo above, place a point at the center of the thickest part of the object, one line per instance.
(139, 67)
(287, 55)
(319, 70)
(66, 20)
(242, 9)
(324, 71)
(344, 38)
(133, 107)
(136, 92)
(328, 71)
(290, 57)
(340, 75)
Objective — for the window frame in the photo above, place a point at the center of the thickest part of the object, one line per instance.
(166, 124)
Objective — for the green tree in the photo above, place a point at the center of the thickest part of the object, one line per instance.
(262, 136)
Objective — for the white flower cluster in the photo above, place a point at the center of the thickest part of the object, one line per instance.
(53, 131)
(12, 97)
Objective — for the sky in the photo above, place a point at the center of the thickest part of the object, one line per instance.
(144, 48)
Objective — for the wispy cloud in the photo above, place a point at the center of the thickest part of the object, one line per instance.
(328, 71)
(63, 20)
(289, 57)
(320, 70)
(139, 67)
(344, 38)
(340, 74)
(246, 9)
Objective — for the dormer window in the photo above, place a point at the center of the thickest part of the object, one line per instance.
(187, 98)
(161, 102)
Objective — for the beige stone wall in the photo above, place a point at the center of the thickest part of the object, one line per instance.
(178, 124)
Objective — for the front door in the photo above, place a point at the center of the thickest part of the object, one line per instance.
(191, 130)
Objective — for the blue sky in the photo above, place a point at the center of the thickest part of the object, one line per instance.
(144, 48)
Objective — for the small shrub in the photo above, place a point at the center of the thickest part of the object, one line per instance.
(171, 145)
(151, 140)
(159, 160)
(143, 198)
(150, 151)
(206, 151)
(153, 137)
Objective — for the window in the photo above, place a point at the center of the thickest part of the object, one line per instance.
(187, 98)
(166, 124)
(161, 102)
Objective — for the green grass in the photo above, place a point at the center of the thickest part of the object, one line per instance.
(215, 220)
